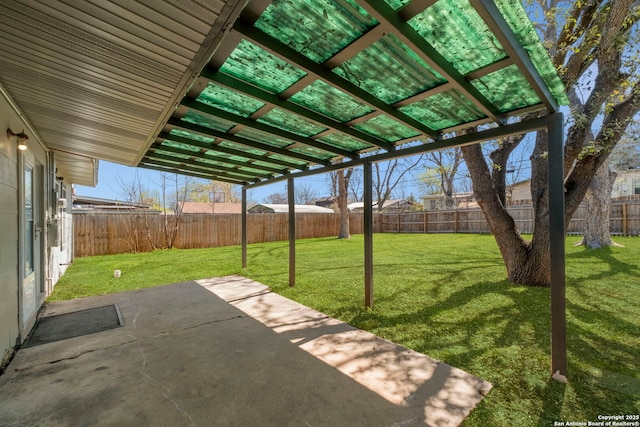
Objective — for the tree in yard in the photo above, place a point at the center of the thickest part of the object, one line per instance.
(439, 177)
(212, 192)
(174, 193)
(626, 155)
(343, 178)
(304, 194)
(387, 177)
(595, 51)
(139, 226)
(276, 198)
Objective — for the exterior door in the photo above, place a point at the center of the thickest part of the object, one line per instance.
(31, 247)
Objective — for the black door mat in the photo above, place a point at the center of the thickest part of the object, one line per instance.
(69, 325)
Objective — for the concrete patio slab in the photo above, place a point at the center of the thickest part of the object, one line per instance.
(228, 352)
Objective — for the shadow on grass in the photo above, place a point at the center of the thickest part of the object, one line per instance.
(455, 312)
(501, 333)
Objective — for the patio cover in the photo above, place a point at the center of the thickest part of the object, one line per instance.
(254, 91)
(298, 85)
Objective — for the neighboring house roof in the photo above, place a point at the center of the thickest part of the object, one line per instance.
(82, 204)
(358, 206)
(211, 208)
(355, 206)
(96, 201)
(282, 208)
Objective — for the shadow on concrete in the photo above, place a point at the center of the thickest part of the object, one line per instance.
(227, 352)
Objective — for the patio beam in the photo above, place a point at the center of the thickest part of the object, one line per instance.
(287, 105)
(244, 141)
(271, 130)
(215, 146)
(196, 165)
(205, 155)
(177, 170)
(185, 165)
(556, 246)
(290, 55)
(491, 15)
(384, 14)
(458, 141)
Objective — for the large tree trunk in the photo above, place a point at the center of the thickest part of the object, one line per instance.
(526, 262)
(343, 198)
(598, 198)
(595, 36)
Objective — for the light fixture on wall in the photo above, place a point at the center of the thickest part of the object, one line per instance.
(22, 139)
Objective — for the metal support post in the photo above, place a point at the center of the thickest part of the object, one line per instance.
(556, 246)
(368, 236)
(292, 232)
(243, 231)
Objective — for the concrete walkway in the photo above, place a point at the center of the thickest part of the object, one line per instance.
(228, 352)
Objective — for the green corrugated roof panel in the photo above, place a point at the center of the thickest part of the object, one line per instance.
(517, 18)
(215, 162)
(212, 153)
(291, 122)
(397, 4)
(507, 88)
(316, 28)
(389, 70)
(253, 171)
(325, 99)
(344, 141)
(229, 100)
(190, 135)
(288, 159)
(385, 127)
(266, 163)
(465, 40)
(313, 152)
(172, 154)
(205, 120)
(181, 145)
(251, 63)
(244, 148)
(444, 110)
(263, 137)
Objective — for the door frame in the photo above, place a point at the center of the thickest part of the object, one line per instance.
(28, 308)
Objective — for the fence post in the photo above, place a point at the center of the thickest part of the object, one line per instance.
(455, 221)
(625, 229)
(426, 223)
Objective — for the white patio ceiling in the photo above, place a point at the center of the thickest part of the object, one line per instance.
(96, 78)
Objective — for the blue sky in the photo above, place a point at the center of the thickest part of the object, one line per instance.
(111, 175)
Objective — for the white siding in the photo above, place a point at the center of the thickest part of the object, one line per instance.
(9, 322)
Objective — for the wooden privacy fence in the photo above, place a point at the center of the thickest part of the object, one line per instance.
(624, 220)
(115, 233)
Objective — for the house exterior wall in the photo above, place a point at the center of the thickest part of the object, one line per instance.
(9, 321)
(521, 192)
(626, 184)
(53, 221)
(433, 202)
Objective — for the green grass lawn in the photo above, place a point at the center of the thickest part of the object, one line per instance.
(445, 296)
